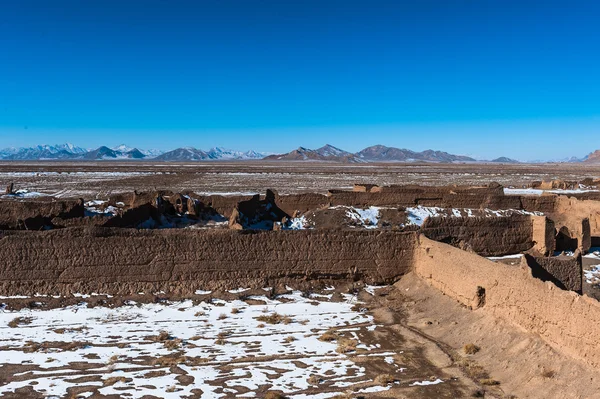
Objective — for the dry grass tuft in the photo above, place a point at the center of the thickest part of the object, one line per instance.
(274, 395)
(274, 318)
(314, 380)
(548, 373)
(358, 307)
(329, 336)
(19, 321)
(489, 381)
(471, 349)
(235, 311)
(200, 313)
(172, 344)
(161, 337)
(177, 359)
(384, 379)
(346, 345)
(290, 339)
(222, 316)
(113, 380)
(113, 359)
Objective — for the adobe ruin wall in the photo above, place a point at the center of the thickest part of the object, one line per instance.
(126, 261)
(485, 236)
(564, 319)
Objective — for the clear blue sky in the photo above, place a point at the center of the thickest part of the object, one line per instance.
(479, 77)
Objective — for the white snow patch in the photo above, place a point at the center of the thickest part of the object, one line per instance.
(425, 383)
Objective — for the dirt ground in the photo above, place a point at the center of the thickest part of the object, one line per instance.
(218, 348)
(523, 364)
(100, 179)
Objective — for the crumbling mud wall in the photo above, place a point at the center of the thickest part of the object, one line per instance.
(126, 261)
(570, 211)
(485, 236)
(491, 196)
(564, 319)
(37, 214)
(544, 235)
(566, 272)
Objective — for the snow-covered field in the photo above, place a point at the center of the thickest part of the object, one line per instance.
(238, 348)
(592, 275)
(535, 191)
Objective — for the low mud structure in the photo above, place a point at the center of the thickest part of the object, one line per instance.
(177, 294)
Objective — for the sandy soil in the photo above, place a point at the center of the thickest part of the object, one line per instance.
(523, 365)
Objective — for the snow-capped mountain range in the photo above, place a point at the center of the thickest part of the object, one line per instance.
(121, 152)
(327, 153)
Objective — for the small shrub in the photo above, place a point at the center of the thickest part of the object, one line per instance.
(172, 344)
(314, 380)
(384, 379)
(548, 373)
(274, 395)
(357, 307)
(329, 336)
(290, 339)
(346, 345)
(489, 382)
(200, 313)
(235, 311)
(161, 337)
(222, 316)
(19, 321)
(274, 318)
(113, 380)
(471, 349)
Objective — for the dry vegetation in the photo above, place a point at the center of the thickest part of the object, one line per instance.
(385, 379)
(274, 318)
(19, 321)
(114, 380)
(471, 349)
(346, 345)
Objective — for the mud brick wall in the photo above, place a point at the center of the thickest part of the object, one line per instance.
(538, 203)
(301, 202)
(565, 272)
(564, 319)
(125, 261)
(486, 236)
(570, 212)
(32, 214)
(447, 197)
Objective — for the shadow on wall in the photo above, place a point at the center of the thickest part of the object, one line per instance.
(565, 272)
(565, 241)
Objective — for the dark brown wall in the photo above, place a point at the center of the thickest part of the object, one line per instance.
(486, 236)
(127, 261)
(448, 197)
(565, 272)
(33, 214)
